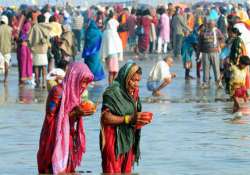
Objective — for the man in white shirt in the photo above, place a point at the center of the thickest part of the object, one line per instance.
(160, 76)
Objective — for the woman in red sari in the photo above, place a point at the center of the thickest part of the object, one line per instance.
(62, 140)
(144, 40)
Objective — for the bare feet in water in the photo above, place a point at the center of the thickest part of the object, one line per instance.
(189, 77)
(156, 94)
(4, 82)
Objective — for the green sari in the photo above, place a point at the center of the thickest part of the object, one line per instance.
(120, 103)
(237, 49)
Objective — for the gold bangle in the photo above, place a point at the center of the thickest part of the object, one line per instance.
(126, 119)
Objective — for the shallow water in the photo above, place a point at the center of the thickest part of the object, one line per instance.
(191, 133)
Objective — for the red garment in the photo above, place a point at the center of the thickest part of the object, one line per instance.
(67, 152)
(155, 21)
(48, 134)
(241, 93)
(131, 25)
(111, 164)
(247, 79)
(198, 69)
(144, 39)
(14, 25)
(57, 17)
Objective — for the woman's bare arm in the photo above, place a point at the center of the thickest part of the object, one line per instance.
(107, 118)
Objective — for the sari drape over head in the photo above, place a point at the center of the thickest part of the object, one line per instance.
(119, 102)
(111, 42)
(91, 51)
(71, 97)
(63, 152)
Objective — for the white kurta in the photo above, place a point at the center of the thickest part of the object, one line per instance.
(111, 42)
(159, 72)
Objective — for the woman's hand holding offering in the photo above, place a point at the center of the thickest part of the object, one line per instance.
(143, 118)
(78, 111)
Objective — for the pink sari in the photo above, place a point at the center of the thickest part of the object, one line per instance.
(24, 54)
(71, 97)
(63, 152)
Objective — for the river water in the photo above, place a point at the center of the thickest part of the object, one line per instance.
(191, 134)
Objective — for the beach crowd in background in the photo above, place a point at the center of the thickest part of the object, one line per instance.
(65, 48)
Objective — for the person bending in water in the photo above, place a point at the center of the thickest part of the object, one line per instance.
(160, 76)
(238, 80)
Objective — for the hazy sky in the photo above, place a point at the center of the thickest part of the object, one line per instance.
(90, 2)
(18, 2)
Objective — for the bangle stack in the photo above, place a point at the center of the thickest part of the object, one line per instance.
(126, 119)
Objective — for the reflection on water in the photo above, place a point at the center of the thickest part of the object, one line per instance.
(26, 95)
(193, 130)
(4, 93)
(40, 95)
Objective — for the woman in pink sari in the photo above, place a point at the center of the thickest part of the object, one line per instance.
(24, 54)
(62, 140)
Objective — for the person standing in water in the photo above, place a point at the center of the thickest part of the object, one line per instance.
(39, 41)
(121, 110)
(111, 47)
(238, 88)
(62, 140)
(164, 35)
(24, 55)
(5, 44)
(91, 51)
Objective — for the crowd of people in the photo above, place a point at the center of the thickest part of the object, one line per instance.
(49, 40)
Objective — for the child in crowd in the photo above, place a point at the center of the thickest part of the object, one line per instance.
(56, 75)
(189, 46)
(238, 80)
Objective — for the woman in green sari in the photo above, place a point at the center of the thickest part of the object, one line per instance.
(119, 138)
